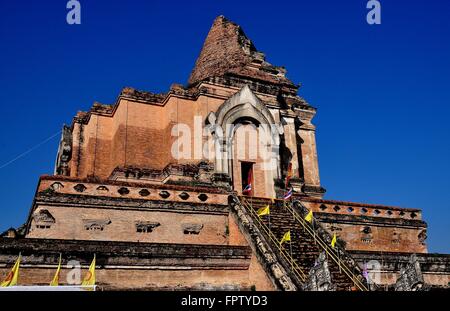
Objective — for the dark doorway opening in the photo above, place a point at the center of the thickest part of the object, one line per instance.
(247, 178)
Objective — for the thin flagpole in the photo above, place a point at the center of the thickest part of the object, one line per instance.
(314, 230)
(251, 188)
(292, 207)
(292, 259)
(339, 260)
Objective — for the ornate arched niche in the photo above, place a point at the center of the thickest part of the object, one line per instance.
(244, 110)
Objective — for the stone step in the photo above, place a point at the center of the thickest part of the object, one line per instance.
(304, 250)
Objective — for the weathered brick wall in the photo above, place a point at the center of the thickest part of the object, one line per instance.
(156, 279)
(382, 237)
(91, 211)
(137, 265)
(435, 267)
(372, 227)
(62, 185)
(120, 225)
(137, 134)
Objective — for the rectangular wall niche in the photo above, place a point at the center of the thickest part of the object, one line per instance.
(247, 175)
(146, 226)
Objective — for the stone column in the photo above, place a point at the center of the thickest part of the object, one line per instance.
(307, 133)
(218, 151)
(291, 143)
(77, 136)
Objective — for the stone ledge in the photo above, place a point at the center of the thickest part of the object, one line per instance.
(129, 203)
(356, 204)
(393, 261)
(120, 255)
(212, 189)
(381, 221)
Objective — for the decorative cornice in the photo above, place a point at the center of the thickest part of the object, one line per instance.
(335, 202)
(125, 255)
(364, 220)
(393, 261)
(102, 202)
(89, 180)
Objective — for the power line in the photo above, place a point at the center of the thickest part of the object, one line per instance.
(30, 150)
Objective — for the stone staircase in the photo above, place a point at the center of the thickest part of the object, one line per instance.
(308, 241)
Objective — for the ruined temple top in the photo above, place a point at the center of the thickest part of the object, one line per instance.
(228, 51)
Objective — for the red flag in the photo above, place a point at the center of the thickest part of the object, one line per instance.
(249, 189)
(289, 174)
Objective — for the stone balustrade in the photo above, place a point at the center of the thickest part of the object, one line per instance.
(361, 209)
(115, 189)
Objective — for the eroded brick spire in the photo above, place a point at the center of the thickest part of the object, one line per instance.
(227, 50)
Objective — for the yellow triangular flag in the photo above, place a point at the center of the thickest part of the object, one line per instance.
(263, 211)
(333, 241)
(309, 217)
(89, 279)
(286, 237)
(55, 281)
(13, 275)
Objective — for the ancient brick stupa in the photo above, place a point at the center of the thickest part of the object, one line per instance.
(135, 185)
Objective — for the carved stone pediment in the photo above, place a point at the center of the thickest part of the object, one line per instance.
(96, 224)
(146, 226)
(192, 228)
(43, 216)
(242, 107)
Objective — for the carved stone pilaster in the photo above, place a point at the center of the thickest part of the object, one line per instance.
(43, 218)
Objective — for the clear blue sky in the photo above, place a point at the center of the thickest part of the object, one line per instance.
(382, 92)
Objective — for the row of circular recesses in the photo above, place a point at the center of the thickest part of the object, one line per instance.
(364, 210)
(143, 192)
